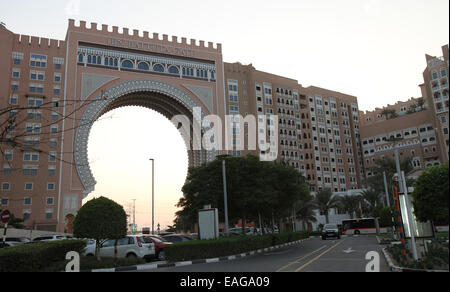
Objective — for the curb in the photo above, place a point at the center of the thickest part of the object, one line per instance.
(395, 268)
(199, 261)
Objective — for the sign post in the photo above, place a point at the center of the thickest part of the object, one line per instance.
(5, 217)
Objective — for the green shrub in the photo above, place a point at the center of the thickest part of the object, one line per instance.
(226, 246)
(37, 257)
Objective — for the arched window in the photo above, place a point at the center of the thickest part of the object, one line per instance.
(116, 63)
(89, 59)
(158, 68)
(127, 64)
(80, 58)
(173, 70)
(99, 60)
(143, 66)
(106, 61)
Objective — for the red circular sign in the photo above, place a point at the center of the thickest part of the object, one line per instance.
(5, 216)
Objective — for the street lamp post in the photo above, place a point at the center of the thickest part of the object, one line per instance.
(153, 195)
(225, 199)
(404, 189)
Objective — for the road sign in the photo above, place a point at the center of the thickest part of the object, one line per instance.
(5, 216)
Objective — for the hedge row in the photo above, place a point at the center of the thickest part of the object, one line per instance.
(226, 246)
(37, 256)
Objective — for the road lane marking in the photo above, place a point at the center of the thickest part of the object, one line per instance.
(298, 260)
(317, 257)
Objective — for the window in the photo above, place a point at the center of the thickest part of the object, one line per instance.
(158, 68)
(233, 98)
(38, 61)
(16, 73)
(28, 186)
(143, 66)
(14, 86)
(234, 108)
(48, 213)
(14, 99)
(8, 155)
(33, 101)
(174, 70)
(127, 64)
(49, 201)
(57, 77)
(54, 116)
(50, 186)
(34, 128)
(27, 201)
(6, 186)
(37, 75)
(443, 72)
(30, 156)
(54, 129)
(52, 156)
(51, 170)
(56, 90)
(26, 214)
(4, 202)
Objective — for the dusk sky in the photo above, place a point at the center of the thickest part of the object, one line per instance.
(372, 49)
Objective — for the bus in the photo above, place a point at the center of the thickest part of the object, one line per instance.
(361, 226)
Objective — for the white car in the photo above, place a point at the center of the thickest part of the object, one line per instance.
(13, 241)
(127, 247)
(51, 238)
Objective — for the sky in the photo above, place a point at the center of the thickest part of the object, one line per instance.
(372, 49)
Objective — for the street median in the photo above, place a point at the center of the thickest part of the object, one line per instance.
(226, 246)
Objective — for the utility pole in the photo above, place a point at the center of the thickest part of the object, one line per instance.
(134, 212)
(153, 195)
(225, 197)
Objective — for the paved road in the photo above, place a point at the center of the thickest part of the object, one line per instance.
(347, 254)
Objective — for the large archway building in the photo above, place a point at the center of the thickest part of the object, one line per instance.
(52, 91)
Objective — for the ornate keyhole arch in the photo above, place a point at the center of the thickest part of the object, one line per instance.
(160, 96)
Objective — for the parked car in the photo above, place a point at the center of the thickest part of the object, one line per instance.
(238, 230)
(127, 247)
(13, 241)
(51, 238)
(177, 237)
(330, 230)
(5, 244)
(160, 244)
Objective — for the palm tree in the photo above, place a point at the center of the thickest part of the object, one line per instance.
(389, 113)
(350, 204)
(305, 212)
(370, 199)
(324, 201)
(387, 165)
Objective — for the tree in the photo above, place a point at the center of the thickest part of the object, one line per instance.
(28, 126)
(369, 199)
(350, 204)
(254, 188)
(385, 215)
(387, 165)
(100, 219)
(15, 222)
(324, 201)
(304, 210)
(389, 113)
(430, 195)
